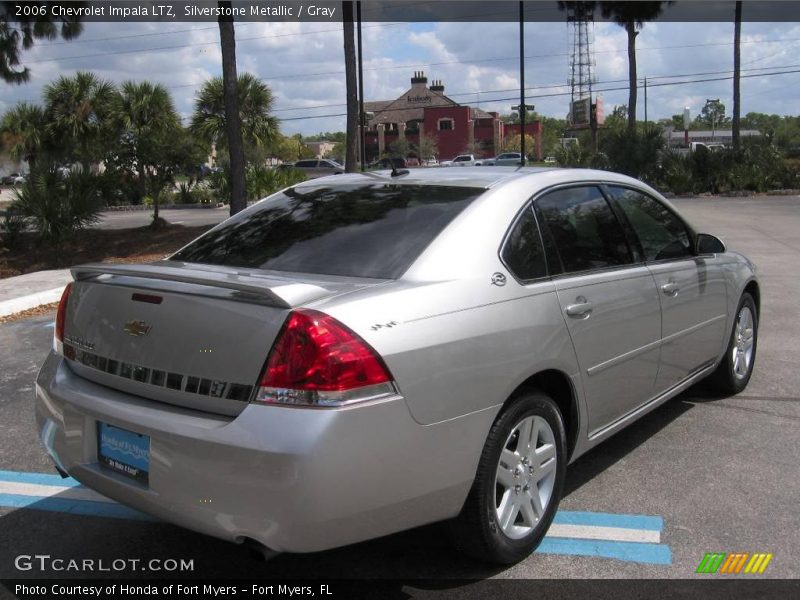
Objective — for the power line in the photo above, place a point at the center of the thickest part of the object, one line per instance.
(556, 94)
(196, 44)
(554, 85)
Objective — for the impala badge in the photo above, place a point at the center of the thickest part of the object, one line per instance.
(136, 328)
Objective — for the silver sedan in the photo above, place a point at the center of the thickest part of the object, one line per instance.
(366, 353)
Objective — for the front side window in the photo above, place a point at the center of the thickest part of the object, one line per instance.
(523, 253)
(375, 230)
(586, 233)
(662, 234)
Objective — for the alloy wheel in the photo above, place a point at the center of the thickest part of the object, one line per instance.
(526, 474)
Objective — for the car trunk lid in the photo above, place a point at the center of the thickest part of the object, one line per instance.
(191, 335)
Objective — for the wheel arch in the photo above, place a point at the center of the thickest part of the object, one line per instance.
(754, 290)
(559, 387)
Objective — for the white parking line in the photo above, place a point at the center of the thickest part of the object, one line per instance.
(46, 491)
(594, 532)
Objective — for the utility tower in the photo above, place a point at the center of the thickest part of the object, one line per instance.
(580, 20)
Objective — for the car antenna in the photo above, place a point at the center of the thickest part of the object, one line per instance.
(398, 172)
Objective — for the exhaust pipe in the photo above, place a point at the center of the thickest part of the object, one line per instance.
(259, 551)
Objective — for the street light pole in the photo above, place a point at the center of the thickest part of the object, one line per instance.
(522, 83)
(362, 136)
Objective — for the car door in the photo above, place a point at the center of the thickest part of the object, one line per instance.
(692, 289)
(609, 302)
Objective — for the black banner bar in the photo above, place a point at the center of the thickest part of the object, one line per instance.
(711, 588)
(374, 11)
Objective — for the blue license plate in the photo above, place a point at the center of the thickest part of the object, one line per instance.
(124, 452)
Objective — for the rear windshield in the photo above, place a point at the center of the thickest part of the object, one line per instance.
(375, 230)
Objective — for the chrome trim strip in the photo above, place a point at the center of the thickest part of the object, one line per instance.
(179, 382)
(636, 352)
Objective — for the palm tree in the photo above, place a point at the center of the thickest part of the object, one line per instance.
(351, 151)
(233, 121)
(23, 132)
(20, 33)
(254, 98)
(737, 66)
(144, 115)
(631, 16)
(78, 110)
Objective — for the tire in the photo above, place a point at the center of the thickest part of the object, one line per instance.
(734, 371)
(501, 521)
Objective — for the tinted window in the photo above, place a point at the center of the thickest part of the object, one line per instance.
(662, 234)
(522, 253)
(584, 229)
(306, 164)
(374, 230)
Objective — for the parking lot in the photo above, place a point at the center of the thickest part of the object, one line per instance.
(698, 475)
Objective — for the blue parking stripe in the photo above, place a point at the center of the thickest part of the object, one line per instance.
(568, 517)
(38, 478)
(75, 507)
(639, 552)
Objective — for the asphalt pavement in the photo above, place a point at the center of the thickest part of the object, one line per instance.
(704, 474)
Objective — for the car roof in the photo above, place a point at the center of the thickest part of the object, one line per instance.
(475, 177)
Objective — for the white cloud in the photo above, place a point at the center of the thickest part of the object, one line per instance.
(478, 62)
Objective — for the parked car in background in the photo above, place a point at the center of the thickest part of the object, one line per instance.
(431, 161)
(378, 352)
(462, 160)
(507, 159)
(13, 179)
(396, 162)
(314, 168)
(550, 160)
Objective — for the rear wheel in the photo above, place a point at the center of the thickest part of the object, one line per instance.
(733, 373)
(518, 485)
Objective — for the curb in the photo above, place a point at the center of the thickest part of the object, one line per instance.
(9, 307)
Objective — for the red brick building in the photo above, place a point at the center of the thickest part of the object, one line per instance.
(426, 112)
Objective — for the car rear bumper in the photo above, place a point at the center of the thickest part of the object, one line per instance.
(295, 480)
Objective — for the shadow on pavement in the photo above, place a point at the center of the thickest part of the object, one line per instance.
(617, 447)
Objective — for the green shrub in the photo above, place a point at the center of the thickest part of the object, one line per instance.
(12, 226)
(185, 194)
(218, 184)
(635, 154)
(59, 206)
(203, 196)
(260, 181)
(119, 188)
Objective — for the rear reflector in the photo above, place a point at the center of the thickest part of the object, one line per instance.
(318, 361)
(61, 314)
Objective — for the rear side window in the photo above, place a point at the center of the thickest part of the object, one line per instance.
(376, 230)
(662, 234)
(586, 233)
(522, 252)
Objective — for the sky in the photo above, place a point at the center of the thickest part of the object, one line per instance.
(477, 62)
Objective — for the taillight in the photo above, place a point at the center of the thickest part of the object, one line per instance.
(61, 314)
(318, 361)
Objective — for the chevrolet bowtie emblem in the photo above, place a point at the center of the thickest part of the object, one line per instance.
(136, 328)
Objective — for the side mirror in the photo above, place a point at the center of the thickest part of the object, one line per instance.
(709, 244)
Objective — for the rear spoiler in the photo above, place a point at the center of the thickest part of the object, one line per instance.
(272, 291)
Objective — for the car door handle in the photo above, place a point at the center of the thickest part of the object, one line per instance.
(581, 309)
(670, 289)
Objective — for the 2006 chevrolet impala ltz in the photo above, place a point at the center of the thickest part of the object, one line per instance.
(361, 354)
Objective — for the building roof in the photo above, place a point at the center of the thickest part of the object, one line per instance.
(411, 105)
